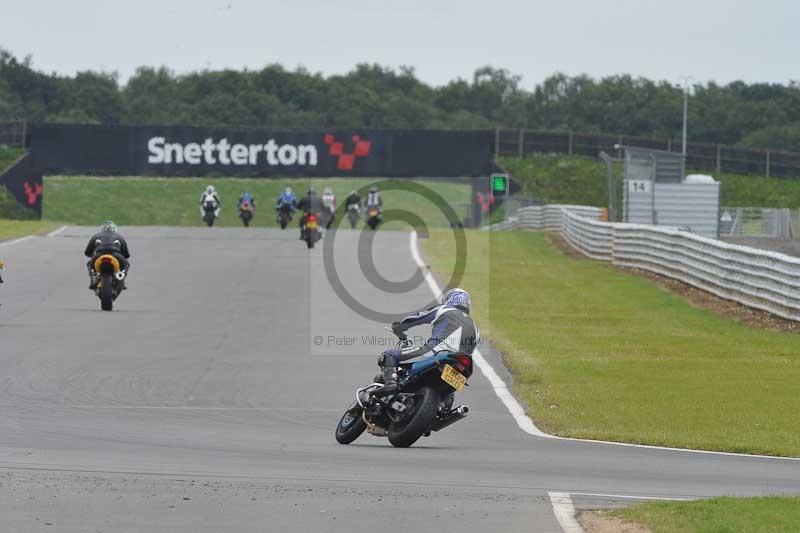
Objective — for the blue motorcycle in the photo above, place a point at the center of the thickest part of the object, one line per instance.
(422, 404)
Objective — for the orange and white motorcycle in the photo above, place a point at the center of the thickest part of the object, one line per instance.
(110, 284)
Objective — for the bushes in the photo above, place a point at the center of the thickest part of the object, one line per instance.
(582, 180)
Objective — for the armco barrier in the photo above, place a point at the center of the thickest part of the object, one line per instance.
(756, 278)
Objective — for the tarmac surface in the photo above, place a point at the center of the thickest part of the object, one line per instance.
(207, 401)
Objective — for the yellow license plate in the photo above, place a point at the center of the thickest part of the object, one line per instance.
(312, 225)
(373, 213)
(453, 377)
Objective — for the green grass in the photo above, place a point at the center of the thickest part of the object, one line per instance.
(176, 201)
(8, 156)
(582, 180)
(717, 515)
(11, 229)
(601, 354)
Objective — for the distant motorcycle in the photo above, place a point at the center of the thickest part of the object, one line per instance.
(246, 214)
(422, 404)
(109, 286)
(284, 215)
(209, 213)
(312, 232)
(353, 214)
(373, 217)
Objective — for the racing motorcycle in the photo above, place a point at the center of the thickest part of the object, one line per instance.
(373, 217)
(312, 232)
(284, 215)
(246, 214)
(209, 213)
(109, 286)
(422, 404)
(353, 214)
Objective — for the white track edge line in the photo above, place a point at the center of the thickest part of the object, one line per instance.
(57, 231)
(565, 512)
(627, 497)
(516, 410)
(16, 241)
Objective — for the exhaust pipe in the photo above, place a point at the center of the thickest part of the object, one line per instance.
(450, 418)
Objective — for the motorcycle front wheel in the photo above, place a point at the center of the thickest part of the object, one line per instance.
(351, 425)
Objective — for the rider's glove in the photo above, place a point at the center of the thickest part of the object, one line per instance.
(398, 330)
(392, 355)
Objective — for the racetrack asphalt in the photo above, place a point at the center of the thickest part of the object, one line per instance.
(203, 402)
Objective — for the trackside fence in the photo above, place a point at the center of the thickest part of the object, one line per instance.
(760, 279)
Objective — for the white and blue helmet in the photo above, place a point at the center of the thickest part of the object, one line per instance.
(457, 298)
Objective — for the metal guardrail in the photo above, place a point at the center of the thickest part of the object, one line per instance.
(756, 278)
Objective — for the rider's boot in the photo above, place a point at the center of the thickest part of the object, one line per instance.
(94, 279)
(389, 379)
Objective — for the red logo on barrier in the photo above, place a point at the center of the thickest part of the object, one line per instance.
(33, 193)
(485, 201)
(347, 160)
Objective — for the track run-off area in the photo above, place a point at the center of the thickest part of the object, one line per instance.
(207, 400)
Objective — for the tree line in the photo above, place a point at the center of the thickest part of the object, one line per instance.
(761, 115)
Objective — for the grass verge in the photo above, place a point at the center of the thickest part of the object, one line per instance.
(598, 353)
(772, 514)
(11, 229)
(176, 201)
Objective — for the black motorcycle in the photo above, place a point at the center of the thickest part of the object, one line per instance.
(209, 213)
(422, 404)
(284, 215)
(109, 285)
(246, 214)
(373, 217)
(312, 232)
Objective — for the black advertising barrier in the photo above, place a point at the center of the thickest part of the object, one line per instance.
(190, 151)
(24, 182)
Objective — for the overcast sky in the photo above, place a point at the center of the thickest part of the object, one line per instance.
(716, 40)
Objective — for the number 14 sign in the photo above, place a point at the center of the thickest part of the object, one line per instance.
(639, 186)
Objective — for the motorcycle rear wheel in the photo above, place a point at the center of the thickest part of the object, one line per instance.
(106, 292)
(351, 425)
(406, 432)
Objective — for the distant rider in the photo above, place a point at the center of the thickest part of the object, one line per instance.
(352, 199)
(309, 204)
(329, 203)
(287, 198)
(246, 198)
(453, 331)
(211, 199)
(373, 200)
(1, 270)
(108, 241)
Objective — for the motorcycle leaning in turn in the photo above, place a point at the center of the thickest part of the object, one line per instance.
(422, 404)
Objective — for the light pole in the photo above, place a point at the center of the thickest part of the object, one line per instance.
(685, 111)
(685, 116)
